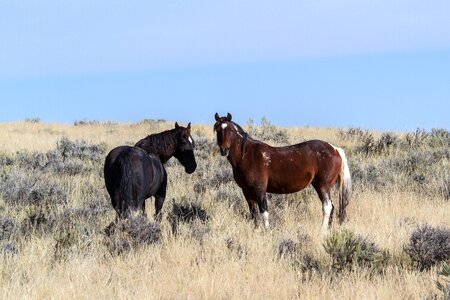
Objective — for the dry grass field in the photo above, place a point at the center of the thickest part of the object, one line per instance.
(54, 210)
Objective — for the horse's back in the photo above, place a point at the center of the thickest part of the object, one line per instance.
(145, 170)
(316, 155)
(291, 168)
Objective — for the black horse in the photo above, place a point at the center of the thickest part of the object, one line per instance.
(133, 174)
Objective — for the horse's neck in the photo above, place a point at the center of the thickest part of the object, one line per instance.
(161, 144)
(237, 151)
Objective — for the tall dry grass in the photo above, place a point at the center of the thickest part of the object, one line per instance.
(56, 248)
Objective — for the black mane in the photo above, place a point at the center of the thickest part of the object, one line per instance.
(161, 144)
(240, 130)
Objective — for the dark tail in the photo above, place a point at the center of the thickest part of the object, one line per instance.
(125, 185)
(345, 186)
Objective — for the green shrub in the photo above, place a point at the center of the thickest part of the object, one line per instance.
(443, 281)
(428, 246)
(349, 251)
(125, 235)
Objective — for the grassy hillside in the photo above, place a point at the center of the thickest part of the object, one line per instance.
(54, 210)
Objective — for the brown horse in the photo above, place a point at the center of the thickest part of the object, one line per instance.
(259, 168)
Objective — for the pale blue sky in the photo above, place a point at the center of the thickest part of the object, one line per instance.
(381, 64)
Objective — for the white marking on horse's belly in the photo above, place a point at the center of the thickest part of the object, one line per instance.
(224, 125)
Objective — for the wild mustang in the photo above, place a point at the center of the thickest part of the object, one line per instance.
(133, 174)
(259, 168)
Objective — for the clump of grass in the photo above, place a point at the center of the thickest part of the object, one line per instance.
(72, 239)
(369, 145)
(416, 139)
(68, 158)
(287, 248)
(21, 188)
(298, 256)
(268, 133)
(439, 137)
(37, 222)
(443, 281)
(85, 122)
(352, 133)
(7, 228)
(204, 147)
(129, 234)
(87, 214)
(151, 121)
(428, 246)
(8, 236)
(35, 120)
(74, 231)
(8, 249)
(236, 248)
(386, 142)
(6, 160)
(349, 251)
(189, 213)
(229, 193)
(213, 179)
(80, 149)
(186, 214)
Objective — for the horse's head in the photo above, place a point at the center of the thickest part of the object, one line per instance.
(184, 150)
(226, 133)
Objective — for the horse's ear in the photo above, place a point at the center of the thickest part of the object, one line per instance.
(217, 116)
(189, 126)
(176, 125)
(228, 117)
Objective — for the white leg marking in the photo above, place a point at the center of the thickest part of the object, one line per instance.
(327, 207)
(266, 218)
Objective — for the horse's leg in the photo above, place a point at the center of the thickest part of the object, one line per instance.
(263, 208)
(258, 199)
(143, 208)
(115, 201)
(327, 205)
(252, 205)
(159, 201)
(160, 196)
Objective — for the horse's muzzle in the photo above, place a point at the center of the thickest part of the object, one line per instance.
(224, 151)
(190, 169)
